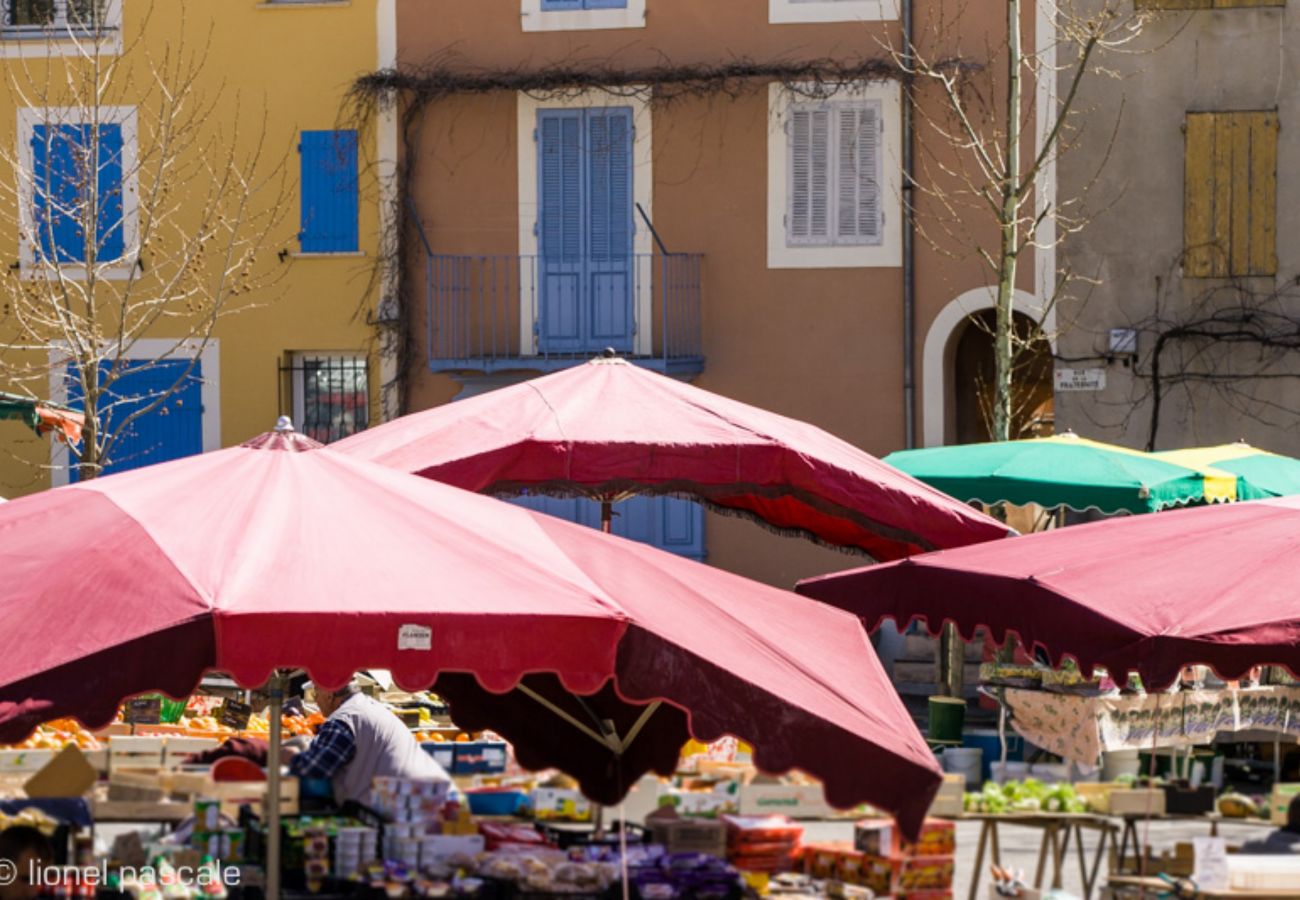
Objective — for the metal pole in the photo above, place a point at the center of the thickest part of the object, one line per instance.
(273, 791)
(909, 240)
(606, 516)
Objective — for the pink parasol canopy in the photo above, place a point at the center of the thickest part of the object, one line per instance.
(594, 654)
(609, 429)
(1216, 586)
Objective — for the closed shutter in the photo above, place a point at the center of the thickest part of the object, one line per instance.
(329, 192)
(559, 5)
(171, 431)
(110, 232)
(609, 264)
(560, 226)
(1230, 195)
(668, 523)
(62, 176)
(858, 176)
(809, 186)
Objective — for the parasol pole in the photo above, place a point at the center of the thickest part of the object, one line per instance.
(606, 515)
(273, 791)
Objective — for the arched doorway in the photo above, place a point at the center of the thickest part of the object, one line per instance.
(972, 381)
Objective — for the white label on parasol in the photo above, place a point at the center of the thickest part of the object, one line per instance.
(415, 637)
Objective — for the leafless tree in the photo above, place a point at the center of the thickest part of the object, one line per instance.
(146, 201)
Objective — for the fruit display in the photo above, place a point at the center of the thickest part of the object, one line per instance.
(29, 818)
(1030, 795)
(56, 735)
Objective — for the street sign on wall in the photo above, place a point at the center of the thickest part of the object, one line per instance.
(1080, 379)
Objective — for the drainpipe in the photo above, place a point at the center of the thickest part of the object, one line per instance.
(909, 242)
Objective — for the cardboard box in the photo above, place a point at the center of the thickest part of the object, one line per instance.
(67, 775)
(1280, 801)
(924, 873)
(794, 800)
(948, 802)
(680, 835)
(560, 804)
(1139, 802)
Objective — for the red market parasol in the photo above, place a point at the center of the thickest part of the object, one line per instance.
(1216, 586)
(593, 654)
(609, 429)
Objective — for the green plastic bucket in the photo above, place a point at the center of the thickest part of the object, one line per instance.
(947, 716)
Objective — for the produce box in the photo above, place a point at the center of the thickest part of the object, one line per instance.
(700, 804)
(177, 750)
(799, 801)
(1280, 801)
(1138, 802)
(876, 873)
(1096, 794)
(948, 802)
(17, 762)
(822, 860)
(679, 835)
(755, 830)
(560, 804)
(127, 752)
(924, 873)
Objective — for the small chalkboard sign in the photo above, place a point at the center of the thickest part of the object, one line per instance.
(234, 714)
(144, 710)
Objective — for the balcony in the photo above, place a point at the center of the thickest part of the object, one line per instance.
(494, 313)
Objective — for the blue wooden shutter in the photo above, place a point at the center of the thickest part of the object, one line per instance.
(561, 224)
(57, 178)
(329, 192)
(609, 279)
(61, 175)
(606, 4)
(110, 236)
(172, 431)
(559, 5)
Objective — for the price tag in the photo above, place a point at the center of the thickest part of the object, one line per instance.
(144, 711)
(234, 714)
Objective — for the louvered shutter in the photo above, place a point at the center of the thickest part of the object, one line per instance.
(857, 177)
(809, 218)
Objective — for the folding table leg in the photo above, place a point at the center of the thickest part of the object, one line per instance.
(977, 875)
(1043, 849)
(1062, 841)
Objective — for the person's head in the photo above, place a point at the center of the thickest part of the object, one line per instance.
(25, 849)
(329, 701)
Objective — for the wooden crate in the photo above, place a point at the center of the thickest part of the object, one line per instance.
(234, 794)
(1139, 802)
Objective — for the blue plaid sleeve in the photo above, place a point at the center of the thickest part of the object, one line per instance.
(333, 748)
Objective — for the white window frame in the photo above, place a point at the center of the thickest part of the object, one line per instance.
(534, 19)
(28, 118)
(58, 39)
(788, 12)
(888, 253)
(298, 361)
(146, 348)
(642, 193)
(834, 162)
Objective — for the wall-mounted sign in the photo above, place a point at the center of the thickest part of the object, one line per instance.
(1080, 379)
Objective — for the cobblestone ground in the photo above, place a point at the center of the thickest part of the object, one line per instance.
(1020, 847)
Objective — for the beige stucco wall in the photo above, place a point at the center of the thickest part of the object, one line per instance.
(1212, 60)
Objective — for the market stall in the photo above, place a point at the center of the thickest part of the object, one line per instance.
(592, 655)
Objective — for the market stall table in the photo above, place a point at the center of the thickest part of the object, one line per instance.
(1058, 829)
(1129, 834)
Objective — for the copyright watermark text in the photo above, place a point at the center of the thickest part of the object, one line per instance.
(37, 875)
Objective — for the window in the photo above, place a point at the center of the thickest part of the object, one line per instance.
(580, 15)
(837, 196)
(1204, 4)
(834, 165)
(41, 16)
(784, 12)
(1230, 205)
(78, 189)
(331, 394)
(329, 192)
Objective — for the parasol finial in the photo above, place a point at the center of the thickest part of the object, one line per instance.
(284, 425)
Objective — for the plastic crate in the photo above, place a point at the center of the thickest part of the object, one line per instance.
(496, 802)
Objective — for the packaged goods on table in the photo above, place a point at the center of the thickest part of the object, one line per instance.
(762, 843)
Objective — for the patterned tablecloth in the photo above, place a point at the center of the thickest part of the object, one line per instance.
(1078, 729)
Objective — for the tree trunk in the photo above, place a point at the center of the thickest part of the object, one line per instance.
(1009, 224)
(88, 464)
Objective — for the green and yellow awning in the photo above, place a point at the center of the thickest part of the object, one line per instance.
(1259, 474)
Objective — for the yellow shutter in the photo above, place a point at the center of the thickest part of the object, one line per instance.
(1174, 4)
(1230, 200)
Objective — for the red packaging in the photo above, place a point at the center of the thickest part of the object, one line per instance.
(938, 838)
(820, 860)
(500, 834)
(762, 830)
(924, 873)
(874, 872)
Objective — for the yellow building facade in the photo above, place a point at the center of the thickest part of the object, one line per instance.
(262, 83)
